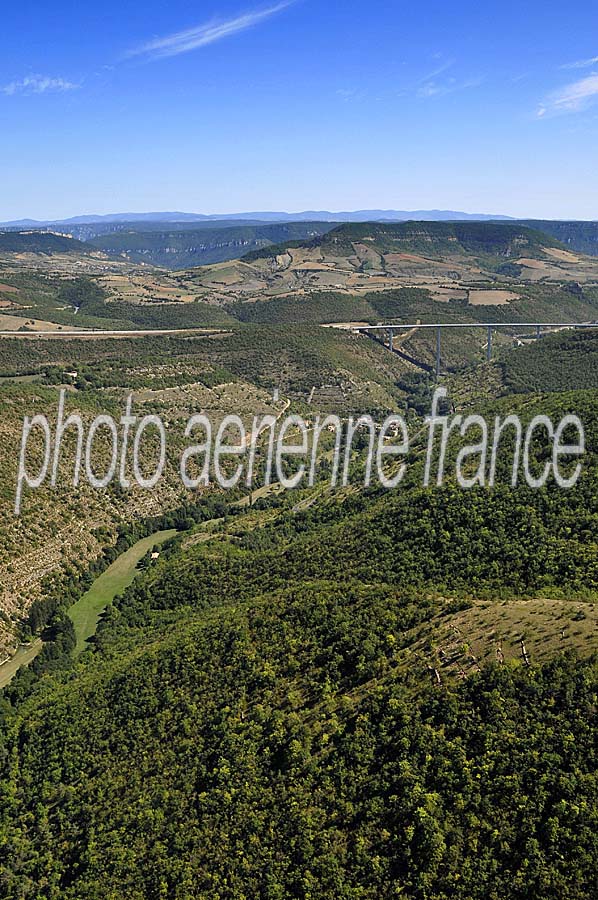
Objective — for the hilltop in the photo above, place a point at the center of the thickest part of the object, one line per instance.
(360, 272)
(40, 242)
(434, 238)
(449, 259)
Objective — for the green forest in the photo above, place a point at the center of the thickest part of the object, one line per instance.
(558, 363)
(276, 707)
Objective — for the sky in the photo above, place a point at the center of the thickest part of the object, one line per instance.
(220, 107)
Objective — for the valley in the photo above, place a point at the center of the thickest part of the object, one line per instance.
(382, 663)
(176, 362)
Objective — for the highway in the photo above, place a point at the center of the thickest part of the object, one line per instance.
(81, 333)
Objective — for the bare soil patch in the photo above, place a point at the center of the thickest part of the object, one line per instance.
(492, 298)
(15, 323)
(562, 255)
(444, 295)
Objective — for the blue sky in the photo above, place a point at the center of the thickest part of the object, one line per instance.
(230, 106)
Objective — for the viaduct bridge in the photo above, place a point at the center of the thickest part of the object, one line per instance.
(378, 333)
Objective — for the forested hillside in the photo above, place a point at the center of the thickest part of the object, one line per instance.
(278, 707)
(339, 693)
(558, 363)
(433, 238)
(39, 242)
(173, 376)
(298, 510)
(579, 236)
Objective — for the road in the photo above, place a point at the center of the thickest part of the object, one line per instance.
(142, 332)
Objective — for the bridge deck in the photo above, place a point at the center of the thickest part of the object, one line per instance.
(395, 325)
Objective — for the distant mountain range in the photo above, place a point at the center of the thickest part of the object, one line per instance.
(206, 241)
(362, 215)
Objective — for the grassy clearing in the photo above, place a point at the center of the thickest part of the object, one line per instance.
(86, 612)
(19, 379)
(24, 655)
(491, 631)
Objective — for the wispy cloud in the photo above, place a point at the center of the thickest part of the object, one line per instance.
(581, 63)
(572, 98)
(349, 95)
(439, 70)
(438, 83)
(202, 35)
(435, 88)
(38, 84)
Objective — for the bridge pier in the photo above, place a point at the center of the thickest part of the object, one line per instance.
(384, 334)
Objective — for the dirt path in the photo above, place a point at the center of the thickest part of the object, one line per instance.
(249, 438)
